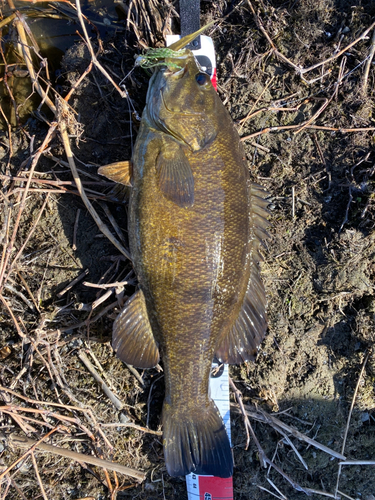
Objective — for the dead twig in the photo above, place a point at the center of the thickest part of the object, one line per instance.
(63, 114)
(73, 283)
(78, 82)
(47, 403)
(315, 116)
(238, 396)
(349, 418)
(94, 59)
(74, 246)
(313, 127)
(276, 423)
(112, 220)
(33, 444)
(271, 493)
(50, 182)
(20, 295)
(149, 394)
(9, 309)
(135, 373)
(358, 462)
(107, 391)
(5, 496)
(31, 232)
(28, 290)
(248, 116)
(262, 455)
(16, 487)
(20, 26)
(311, 491)
(345, 495)
(133, 426)
(368, 63)
(10, 246)
(347, 209)
(301, 71)
(282, 496)
(266, 109)
(38, 476)
(320, 152)
(88, 321)
(335, 56)
(116, 284)
(23, 442)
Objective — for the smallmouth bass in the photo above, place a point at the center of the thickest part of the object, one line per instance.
(196, 223)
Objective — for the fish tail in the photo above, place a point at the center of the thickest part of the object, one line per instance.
(195, 440)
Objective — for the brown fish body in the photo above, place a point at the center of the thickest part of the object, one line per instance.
(195, 224)
(193, 264)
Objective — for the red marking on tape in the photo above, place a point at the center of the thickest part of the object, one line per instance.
(215, 488)
(214, 79)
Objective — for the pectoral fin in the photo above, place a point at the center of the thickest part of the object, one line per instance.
(132, 337)
(120, 172)
(175, 176)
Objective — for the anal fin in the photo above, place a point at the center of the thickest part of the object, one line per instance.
(132, 337)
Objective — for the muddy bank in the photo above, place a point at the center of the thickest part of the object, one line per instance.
(318, 269)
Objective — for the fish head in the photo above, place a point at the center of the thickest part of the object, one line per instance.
(181, 100)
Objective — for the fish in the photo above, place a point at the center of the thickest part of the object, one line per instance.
(196, 226)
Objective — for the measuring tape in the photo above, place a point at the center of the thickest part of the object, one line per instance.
(212, 487)
(205, 55)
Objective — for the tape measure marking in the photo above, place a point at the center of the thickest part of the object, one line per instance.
(212, 487)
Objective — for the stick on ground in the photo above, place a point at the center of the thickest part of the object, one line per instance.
(23, 442)
(62, 113)
(107, 391)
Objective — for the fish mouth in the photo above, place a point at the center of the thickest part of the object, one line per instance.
(174, 70)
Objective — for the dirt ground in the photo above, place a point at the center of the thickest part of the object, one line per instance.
(309, 138)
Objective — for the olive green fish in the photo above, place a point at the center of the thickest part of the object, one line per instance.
(196, 223)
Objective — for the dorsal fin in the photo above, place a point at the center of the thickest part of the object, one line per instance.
(242, 340)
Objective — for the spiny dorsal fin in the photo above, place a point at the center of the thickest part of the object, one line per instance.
(120, 171)
(132, 337)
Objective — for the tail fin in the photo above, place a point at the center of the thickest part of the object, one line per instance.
(196, 441)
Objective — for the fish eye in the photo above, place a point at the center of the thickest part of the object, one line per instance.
(202, 78)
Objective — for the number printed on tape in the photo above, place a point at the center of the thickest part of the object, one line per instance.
(211, 487)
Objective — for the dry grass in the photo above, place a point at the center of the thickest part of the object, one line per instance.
(61, 384)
